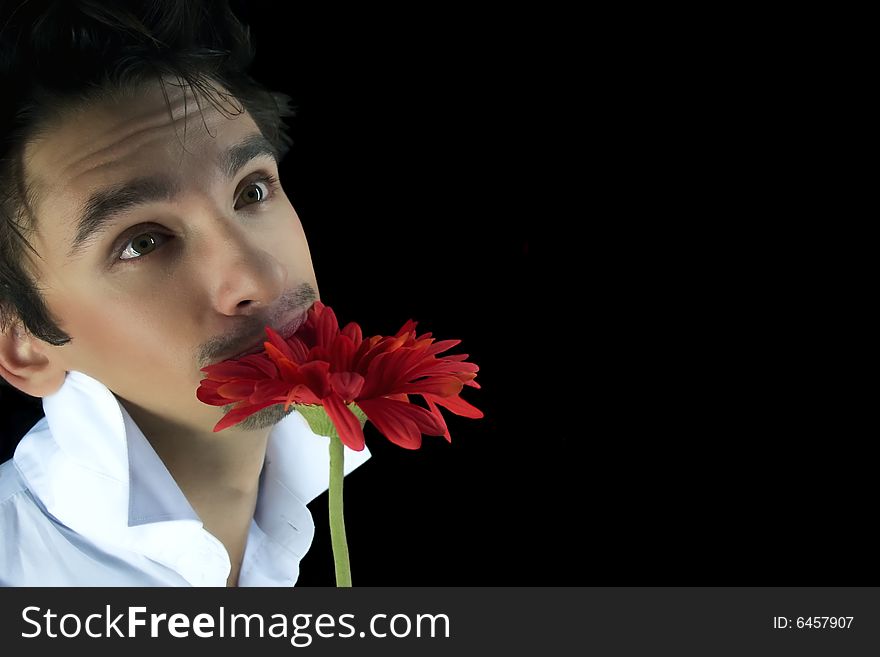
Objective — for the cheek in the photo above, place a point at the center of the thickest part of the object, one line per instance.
(292, 249)
(120, 334)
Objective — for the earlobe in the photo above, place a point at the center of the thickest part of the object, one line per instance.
(26, 365)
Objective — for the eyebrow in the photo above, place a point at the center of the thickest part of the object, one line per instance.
(105, 205)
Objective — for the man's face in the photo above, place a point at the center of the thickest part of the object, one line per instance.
(158, 291)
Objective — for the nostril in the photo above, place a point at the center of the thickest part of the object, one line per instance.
(244, 304)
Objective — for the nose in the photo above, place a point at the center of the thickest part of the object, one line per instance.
(246, 278)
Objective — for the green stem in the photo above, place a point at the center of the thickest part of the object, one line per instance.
(337, 522)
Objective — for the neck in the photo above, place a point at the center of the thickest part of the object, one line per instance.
(229, 460)
(219, 473)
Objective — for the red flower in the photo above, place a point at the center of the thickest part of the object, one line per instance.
(322, 365)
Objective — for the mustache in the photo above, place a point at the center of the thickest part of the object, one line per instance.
(253, 327)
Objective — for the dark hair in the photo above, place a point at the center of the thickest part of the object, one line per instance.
(59, 55)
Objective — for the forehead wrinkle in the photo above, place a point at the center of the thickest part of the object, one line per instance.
(148, 110)
(121, 116)
(127, 127)
(116, 150)
(108, 157)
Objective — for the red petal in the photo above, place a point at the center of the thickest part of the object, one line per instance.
(263, 363)
(388, 372)
(268, 390)
(347, 385)
(231, 369)
(361, 361)
(409, 327)
(457, 405)
(443, 345)
(425, 421)
(353, 331)
(442, 386)
(236, 390)
(400, 421)
(239, 413)
(316, 375)
(277, 356)
(405, 362)
(298, 348)
(439, 417)
(433, 366)
(342, 354)
(207, 393)
(279, 343)
(320, 352)
(326, 328)
(289, 372)
(300, 394)
(347, 424)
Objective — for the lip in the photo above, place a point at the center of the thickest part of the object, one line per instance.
(286, 330)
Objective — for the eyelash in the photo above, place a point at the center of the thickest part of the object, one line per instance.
(271, 182)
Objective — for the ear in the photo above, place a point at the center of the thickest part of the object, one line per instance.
(28, 364)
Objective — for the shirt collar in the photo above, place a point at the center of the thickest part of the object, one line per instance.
(93, 469)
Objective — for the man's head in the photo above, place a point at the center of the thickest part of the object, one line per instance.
(145, 234)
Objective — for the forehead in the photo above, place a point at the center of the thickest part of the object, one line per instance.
(105, 142)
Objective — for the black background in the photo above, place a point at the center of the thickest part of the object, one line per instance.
(659, 407)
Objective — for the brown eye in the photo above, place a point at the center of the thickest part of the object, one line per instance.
(258, 191)
(139, 245)
(253, 192)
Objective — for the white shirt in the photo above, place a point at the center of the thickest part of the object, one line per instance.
(86, 501)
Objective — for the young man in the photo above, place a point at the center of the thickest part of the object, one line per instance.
(143, 237)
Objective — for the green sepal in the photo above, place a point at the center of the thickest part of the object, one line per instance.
(319, 421)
